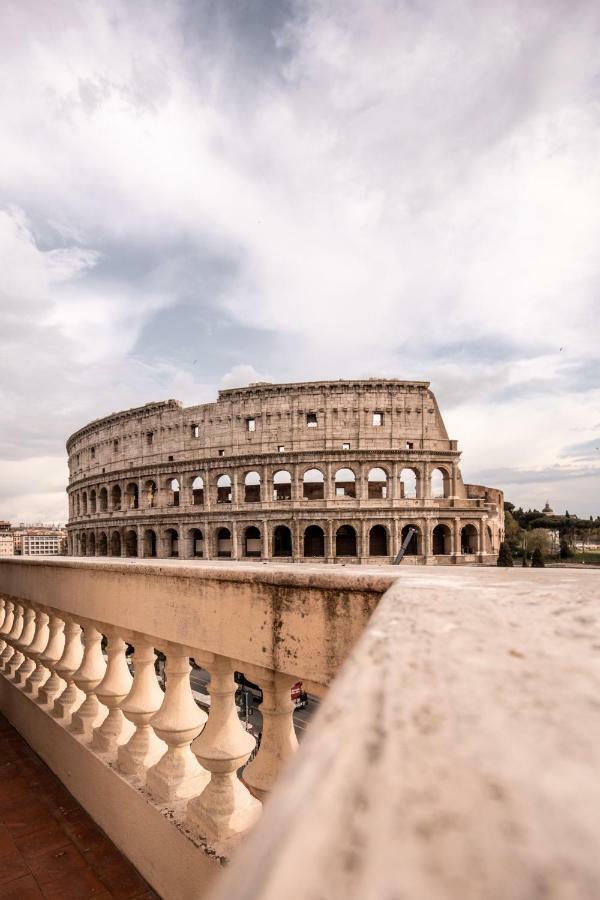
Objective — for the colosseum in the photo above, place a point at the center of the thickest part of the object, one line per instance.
(330, 471)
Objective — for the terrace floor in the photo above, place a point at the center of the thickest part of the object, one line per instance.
(49, 847)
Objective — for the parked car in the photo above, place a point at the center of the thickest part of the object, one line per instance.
(298, 694)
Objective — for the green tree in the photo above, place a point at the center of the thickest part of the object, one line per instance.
(537, 559)
(538, 539)
(566, 549)
(504, 555)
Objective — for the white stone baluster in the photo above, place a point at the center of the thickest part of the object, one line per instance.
(21, 645)
(71, 698)
(12, 636)
(37, 673)
(3, 611)
(144, 748)
(7, 624)
(88, 676)
(177, 774)
(225, 807)
(49, 659)
(112, 690)
(279, 740)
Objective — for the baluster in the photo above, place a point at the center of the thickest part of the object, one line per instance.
(21, 645)
(112, 690)
(7, 624)
(49, 659)
(177, 774)
(144, 748)
(12, 636)
(279, 740)
(3, 611)
(88, 676)
(37, 673)
(225, 807)
(67, 702)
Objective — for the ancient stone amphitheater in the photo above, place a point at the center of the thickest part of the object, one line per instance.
(336, 471)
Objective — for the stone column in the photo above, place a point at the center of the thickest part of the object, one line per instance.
(225, 807)
(267, 549)
(144, 748)
(279, 740)
(69, 700)
(112, 690)
(457, 547)
(7, 623)
(330, 529)
(38, 673)
(426, 539)
(12, 636)
(88, 676)
(329, 487)
(21, 646)
(395, 492)
(235, 550)
(49, 659)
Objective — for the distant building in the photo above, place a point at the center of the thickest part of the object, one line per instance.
(547, 510)
(48, 544)
(7, 542)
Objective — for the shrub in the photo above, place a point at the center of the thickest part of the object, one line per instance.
(537, 559)
(504, 555)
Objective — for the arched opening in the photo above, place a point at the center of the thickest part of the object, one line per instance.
(151, 494)
(83, 545)
(224, 489)
(78, 504)
(345, 541)
(378, 541)
(345, 483)
(282, 485)
(440, 543)
(440, 484)
(252, 541)
(198, 491)
(490, 539)
(412, 548)
(103, 499)
(102, 544)
(115, 544)
(172, 542)
(282, 541)
(377, 484)
(468, 540)
(173, 485)
(314, 541)
(91, 544)
(223, 542)
(92, 501)
(197, 539)
(252, 488)
(115, 496)
(408, 484)
(313, 485)
(84, 502)
(150, 543)
(131, 543)
(132, 494)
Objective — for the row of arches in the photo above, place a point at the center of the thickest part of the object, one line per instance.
(312, 484)
(313, 542)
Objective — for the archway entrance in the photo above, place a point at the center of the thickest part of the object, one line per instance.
(314, 541)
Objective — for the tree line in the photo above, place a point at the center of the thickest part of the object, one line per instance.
(533, 537)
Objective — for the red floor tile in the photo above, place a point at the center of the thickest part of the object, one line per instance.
(22, 889)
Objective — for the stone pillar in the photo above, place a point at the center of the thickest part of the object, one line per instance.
(267, 549)
(395, 492)
(235, 550)
(38, 673)
(454, 481)
(425, 487)
(144, 748)
(279, 740)
(71, 698)
(297, 485)
(457, 547)
(20, 666)
(12, 636)
(330, 529)
(49, 658)
(426, 538)
(88, 676)
(112, 690)
(363, 537)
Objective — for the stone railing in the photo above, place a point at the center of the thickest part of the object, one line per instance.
(456, 753)
(131, 753)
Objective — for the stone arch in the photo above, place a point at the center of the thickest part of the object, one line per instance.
(131, 542)
(490, 539)
(252, 541)
(223, 542)
(91, 544)
(83, 544)
(150, 543)
(409, 479)
(469, 540)
(282, 485)
(150, 493)
(115, 496)
(441, 540)
(314, 541)
(171, 538)
(198, 490)
(378, 541)
(313, 484)
(252, 487)
(282, 541)
(78, 504)
(224, 490)
(132, 494)
(115, 544)
(345, 541)
(93, 500)
(439, 483)
(345, 483)
(174, 489)
(414, 545)
(103, 499)
(84, 503)
(197, 542)
(102, 544)
(377, 483)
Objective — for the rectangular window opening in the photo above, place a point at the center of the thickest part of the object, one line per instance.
(346, 445)
(409, 445)
(116, 445)
(250, 424)
(311, 420)
(221, 453)
(195, 429)
(377, 419)
(149, 438)
(281, 449)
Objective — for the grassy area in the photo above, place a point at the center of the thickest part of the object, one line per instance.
(591, 556)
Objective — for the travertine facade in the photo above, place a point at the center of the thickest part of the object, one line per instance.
(337, 471)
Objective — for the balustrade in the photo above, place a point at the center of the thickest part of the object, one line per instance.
(144, 748)
(37, 672)
(12, 636)
(20, 666)
(88, 676)
(71, 697)
(49, 659)
(7, 624)
(279, 741)
(112, 690)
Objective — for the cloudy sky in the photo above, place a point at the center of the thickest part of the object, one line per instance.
(202, 194)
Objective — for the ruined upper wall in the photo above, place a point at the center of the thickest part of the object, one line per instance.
(283, 415)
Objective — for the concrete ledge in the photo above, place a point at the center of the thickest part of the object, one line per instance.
(175, 867)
